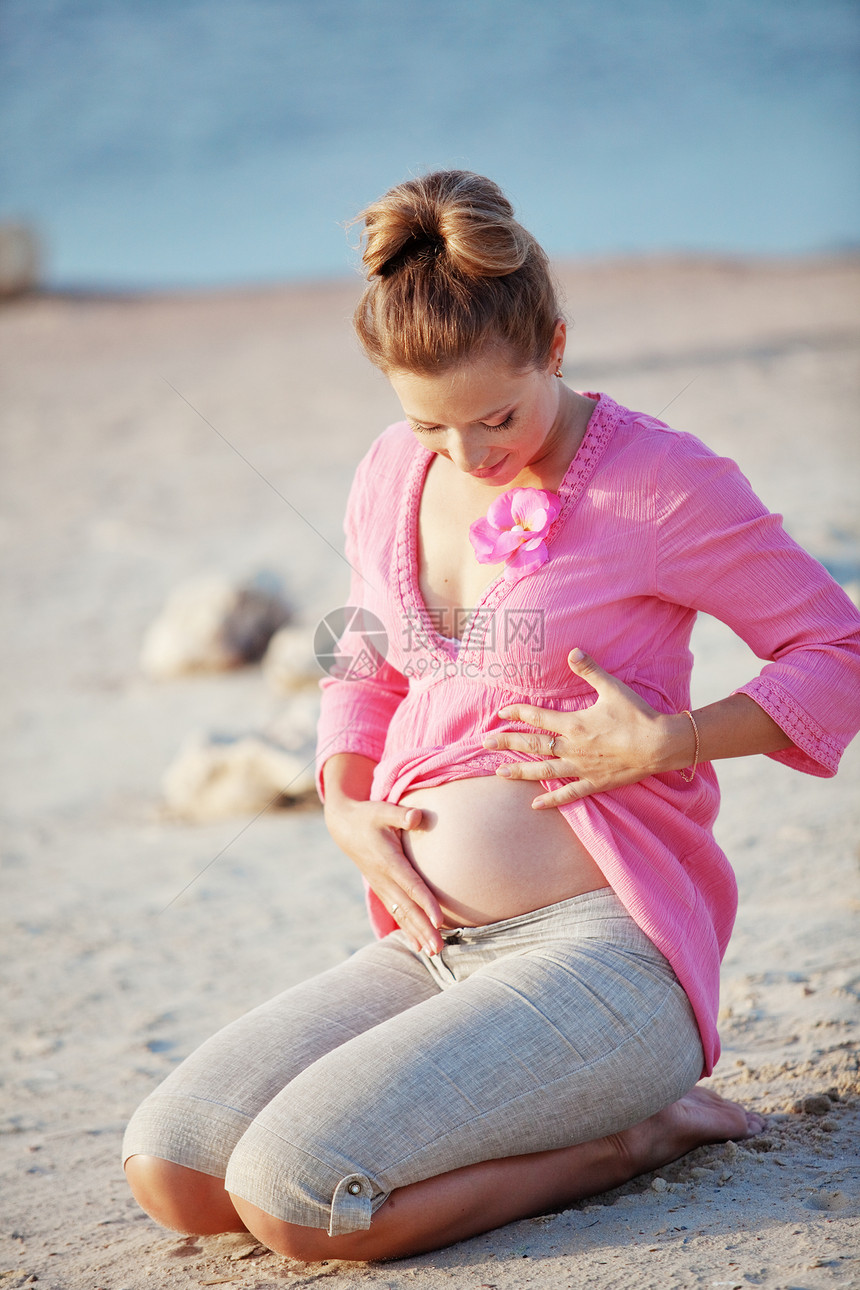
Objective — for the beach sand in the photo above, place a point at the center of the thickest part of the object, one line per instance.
(148, 440)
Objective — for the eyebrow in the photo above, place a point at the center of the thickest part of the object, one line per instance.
(486, 417)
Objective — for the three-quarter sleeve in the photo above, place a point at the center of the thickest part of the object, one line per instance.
(359, 702)
(719, 550)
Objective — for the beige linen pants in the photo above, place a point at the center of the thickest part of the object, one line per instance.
(538, 1032)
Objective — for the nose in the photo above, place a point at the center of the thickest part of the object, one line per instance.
(466, 452)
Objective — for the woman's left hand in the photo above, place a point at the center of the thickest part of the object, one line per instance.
(619, 740)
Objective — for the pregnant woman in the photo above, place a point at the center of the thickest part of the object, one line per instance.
(519, 779)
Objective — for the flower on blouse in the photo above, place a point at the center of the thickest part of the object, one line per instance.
(514, 529)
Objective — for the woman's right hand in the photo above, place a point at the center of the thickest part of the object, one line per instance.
(369, 833)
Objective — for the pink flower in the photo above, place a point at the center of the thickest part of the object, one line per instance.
(514, 529)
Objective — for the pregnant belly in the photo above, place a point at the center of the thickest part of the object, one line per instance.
(487, 855)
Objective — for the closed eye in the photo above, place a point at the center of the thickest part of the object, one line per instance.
(503, 425)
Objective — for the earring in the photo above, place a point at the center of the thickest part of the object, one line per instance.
(559, 373)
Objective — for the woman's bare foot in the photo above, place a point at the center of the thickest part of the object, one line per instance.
(699, 1117)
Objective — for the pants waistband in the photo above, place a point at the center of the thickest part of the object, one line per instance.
(602, 902)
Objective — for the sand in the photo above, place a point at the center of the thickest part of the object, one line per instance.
(128, 936)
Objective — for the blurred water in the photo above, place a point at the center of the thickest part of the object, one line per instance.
(173, 142)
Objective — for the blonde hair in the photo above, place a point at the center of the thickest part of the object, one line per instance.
(451, 273)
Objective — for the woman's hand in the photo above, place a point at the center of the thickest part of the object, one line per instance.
(619, 740)
(369, 833)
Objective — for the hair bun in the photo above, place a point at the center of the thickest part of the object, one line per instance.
(451, 272)
(459, 219)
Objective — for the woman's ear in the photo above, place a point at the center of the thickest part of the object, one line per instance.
(559, 344)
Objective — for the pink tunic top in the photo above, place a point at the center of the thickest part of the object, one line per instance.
(653, 526)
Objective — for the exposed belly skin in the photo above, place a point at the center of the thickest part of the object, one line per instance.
(487, 855)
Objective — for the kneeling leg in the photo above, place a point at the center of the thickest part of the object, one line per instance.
(178, 1143)
(452, 1207)
(520, 1090)
(180, 1198)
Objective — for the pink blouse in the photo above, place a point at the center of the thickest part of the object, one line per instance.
(653, 526)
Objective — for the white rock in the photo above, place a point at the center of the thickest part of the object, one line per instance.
(213, 779)
(290, 663)
(209, 625)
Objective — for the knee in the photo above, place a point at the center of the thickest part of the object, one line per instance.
(161, 1189)
(307, 1244)
(179, 1198)
(299, 1198)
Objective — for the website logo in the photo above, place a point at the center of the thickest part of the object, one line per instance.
(350, 643)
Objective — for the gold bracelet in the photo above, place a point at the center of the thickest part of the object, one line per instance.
(688, 779)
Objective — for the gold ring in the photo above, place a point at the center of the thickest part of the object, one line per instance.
(394, 908)
(552, 746)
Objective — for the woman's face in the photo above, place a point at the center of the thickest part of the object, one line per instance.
(491, 420)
